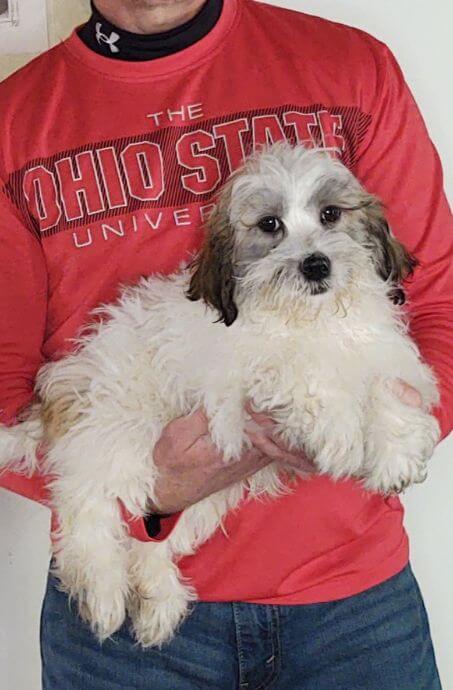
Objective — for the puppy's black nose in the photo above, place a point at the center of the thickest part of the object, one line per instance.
(316, 266)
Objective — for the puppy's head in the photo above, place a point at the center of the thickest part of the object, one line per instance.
(294, 224)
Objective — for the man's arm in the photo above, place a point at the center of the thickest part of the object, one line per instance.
(399, 163)
(23, 307)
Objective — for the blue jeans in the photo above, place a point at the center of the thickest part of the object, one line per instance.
(376, 640)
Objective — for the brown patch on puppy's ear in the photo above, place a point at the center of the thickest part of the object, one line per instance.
(393, 262)
(213, 272)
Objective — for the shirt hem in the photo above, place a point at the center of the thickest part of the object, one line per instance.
(336, 591)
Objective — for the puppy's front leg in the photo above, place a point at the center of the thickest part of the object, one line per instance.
(327, 425)
(227, 423)
(399, 440)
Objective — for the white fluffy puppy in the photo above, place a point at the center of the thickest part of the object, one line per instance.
(301, 266)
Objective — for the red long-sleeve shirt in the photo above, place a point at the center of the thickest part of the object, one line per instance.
(108, 169)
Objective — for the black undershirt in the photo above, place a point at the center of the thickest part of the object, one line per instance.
(108, 40)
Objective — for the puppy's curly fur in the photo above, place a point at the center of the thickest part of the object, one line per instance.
(315, 346)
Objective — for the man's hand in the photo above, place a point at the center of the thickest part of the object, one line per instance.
(190, 467)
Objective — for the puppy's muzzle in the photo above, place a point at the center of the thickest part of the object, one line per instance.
(315, 267)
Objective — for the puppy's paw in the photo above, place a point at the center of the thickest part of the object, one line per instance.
(340, 460)
(397, 455)
(339, 450)
(101, 598)
(155, 621)
(396, 474)
(228, 436)
(104, 611)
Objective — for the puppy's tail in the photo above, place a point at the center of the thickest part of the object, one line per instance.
(19, 444)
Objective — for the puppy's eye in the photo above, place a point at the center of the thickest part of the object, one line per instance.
(270, 224)
(330, 215)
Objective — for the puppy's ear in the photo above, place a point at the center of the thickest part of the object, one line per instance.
(213, 270)
(393, 262)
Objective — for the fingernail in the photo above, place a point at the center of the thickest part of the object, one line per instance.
(405, 392)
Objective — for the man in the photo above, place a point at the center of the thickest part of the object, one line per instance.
(113, 146)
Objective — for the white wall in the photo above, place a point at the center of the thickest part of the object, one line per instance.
(62, 16)
(419, 33)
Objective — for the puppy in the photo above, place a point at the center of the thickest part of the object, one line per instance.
(300, 265)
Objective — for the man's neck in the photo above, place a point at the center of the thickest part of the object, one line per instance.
(148, 16)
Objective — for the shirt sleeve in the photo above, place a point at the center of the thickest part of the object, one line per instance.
(399, 164)
(138, 527)
(23, 307)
